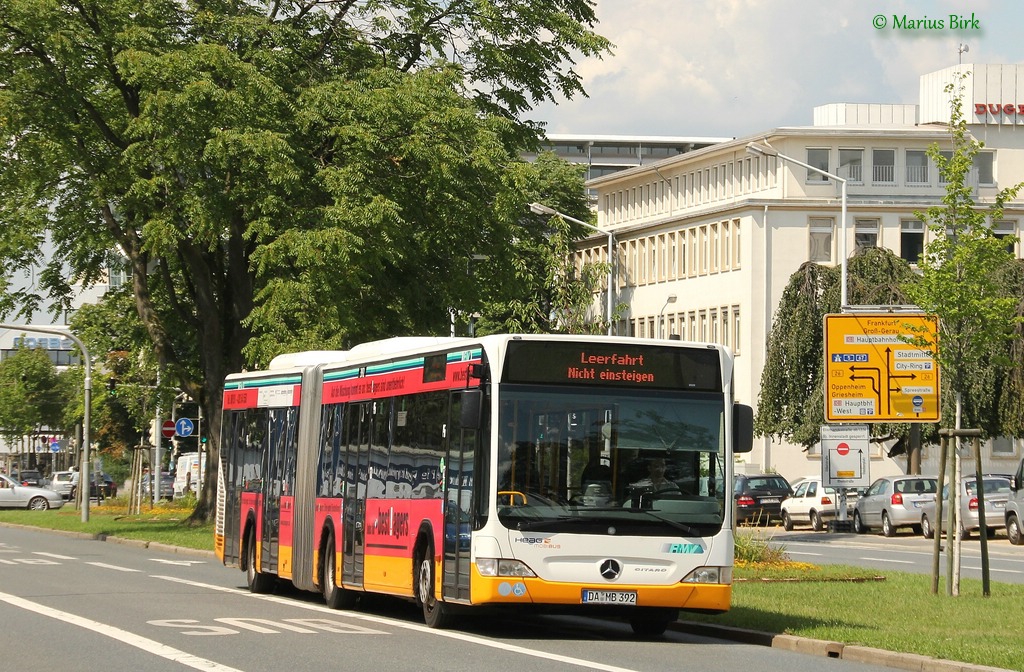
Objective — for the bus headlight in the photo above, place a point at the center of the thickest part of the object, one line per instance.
(719, 575)
(502, 567)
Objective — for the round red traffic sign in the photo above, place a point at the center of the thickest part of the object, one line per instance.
(843, 448)
(167, 429)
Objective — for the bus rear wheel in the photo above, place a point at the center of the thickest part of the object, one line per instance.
(257, 581)
(334, 596)
(436, 614)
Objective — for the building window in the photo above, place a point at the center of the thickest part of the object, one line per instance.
(883, 166)
(821, 234)
(917, 166)
(735, 243)
(736, 329)
(726, 246)
(865, 234)
(819, 159)
(702, 335)
(715, 249)
(983, 162)
(947, 155)
(851, 164)
(1003, 446)
(911, 240)
(1007, 230)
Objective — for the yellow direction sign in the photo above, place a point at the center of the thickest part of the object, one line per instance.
(874, 372)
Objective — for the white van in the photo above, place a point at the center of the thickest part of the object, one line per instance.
(188, 474)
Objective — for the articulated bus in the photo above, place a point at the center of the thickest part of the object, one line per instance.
(563, 474)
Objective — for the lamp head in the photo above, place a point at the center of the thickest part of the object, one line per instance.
(541, 209)
(760, 150)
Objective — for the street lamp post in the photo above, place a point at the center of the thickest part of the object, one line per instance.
(83, 475)
(541, 209)
(764, 150)
(671, 298)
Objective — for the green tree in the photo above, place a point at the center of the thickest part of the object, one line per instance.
(32, 397)
(541, 289)
(274, 175)
(963, 271)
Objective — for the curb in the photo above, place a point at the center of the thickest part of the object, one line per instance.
(826, 649)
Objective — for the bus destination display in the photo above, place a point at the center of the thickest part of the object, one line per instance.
(656, 367)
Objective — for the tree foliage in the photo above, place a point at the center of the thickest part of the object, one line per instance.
(963, 272)
(274, 175)
(32, 396)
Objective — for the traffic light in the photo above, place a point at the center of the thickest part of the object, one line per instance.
(202, 439)
(111, 386)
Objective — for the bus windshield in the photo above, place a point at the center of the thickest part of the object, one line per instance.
(639, 460)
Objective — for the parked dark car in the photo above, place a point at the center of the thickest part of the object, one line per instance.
(30, 477)
(759, 498)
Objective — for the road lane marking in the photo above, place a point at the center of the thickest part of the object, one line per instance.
(995, 569)
(186, 563)
(54, 555)
(139, 642)
(471, 639)
(901, 562)
(116, 567)
(801, 553)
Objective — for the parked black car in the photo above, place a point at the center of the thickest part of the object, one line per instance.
(759, 498)
(30, 477)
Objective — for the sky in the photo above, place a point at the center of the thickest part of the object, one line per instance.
(732, 68)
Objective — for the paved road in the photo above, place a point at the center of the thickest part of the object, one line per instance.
(905, 552)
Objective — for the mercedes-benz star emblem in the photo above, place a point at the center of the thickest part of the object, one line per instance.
(610, 569)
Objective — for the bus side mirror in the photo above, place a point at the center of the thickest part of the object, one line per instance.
(742, 428)
(472, 405)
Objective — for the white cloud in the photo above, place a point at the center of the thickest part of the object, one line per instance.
(733, 67)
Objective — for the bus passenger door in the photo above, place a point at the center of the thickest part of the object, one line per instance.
(357, 421)
(459, 492)
(272, 484)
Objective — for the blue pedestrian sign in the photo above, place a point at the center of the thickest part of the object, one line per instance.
(183, 427)
(55, 446)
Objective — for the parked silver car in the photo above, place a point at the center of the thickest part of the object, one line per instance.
(996, 492)
(14, 495)
(892, 502)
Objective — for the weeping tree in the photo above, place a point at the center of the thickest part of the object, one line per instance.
(791, 402)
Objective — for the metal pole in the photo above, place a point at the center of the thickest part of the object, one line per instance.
(83, 475)
(982, 527)
(937, 523)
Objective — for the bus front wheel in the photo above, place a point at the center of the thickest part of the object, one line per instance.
(436, 614)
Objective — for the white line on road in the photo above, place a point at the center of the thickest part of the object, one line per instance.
(139, 642)
(900, 562)
(799, 553)
(481, 641)
(106, 566)
(996, 569)
(54, 555)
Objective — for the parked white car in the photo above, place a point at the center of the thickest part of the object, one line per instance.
(63, 482)
(812, 503)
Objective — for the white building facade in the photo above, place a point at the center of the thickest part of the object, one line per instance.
(707, 241)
